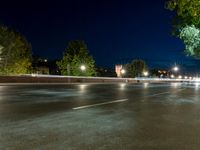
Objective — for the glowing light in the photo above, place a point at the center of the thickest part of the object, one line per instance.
(82, 87)
(146, 85)
(83, 68)
(197, 85)
(123, 71)
(186, 77)
(33, 75)
(196, 79)
(172, 76)
(122, 86)
(145, 73)
(180, 77)
(175, 84)
(175, 68)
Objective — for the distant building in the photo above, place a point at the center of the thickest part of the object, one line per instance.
(160, 73)
(118, 69)
(40, 65)
(41, 70)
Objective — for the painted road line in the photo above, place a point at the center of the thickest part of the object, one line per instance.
(157, 94)
(100, 104)
(163, 93)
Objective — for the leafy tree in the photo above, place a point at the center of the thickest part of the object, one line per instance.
(75, 55)
(187, 12)
(190, 35)
(186, 24)
(15, 52)
(135, 68)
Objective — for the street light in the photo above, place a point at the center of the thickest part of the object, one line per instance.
(180, 77)
(123, 71)
(145, 73)
(176, 68)
(83, 68)
(172, 76)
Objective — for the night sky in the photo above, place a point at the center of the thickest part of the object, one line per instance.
(115, 31)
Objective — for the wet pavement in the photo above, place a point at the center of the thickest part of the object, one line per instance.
(149, 117)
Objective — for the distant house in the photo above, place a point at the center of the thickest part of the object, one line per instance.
(40, 66)
(118, 69)
(161, 73)
(41, 70)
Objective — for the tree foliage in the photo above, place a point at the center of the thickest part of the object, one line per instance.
(136, 68)
(187, 12)
(191, 37)
(75, 55)
(186, 23)
(15, 52)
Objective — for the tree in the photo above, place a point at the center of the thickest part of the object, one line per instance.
(75, 55)
(187, 12)
(186, 23)
(136, 68)
(15, 52)
(190, 35)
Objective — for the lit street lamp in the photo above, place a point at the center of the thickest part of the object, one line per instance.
(176, 68)
(180, 77)
(145, 73)
(123, 71)
(83, 68)
(172, 76)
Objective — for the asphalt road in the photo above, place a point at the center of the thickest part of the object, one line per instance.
(100, 117)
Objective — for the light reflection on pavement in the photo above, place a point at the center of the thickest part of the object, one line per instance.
(155, 117)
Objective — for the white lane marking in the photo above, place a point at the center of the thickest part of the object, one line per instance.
(99, 104)
(157, 94)
(163, 93)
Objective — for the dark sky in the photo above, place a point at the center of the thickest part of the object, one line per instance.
(115, 30)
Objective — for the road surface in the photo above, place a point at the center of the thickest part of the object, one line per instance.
(143, 116)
